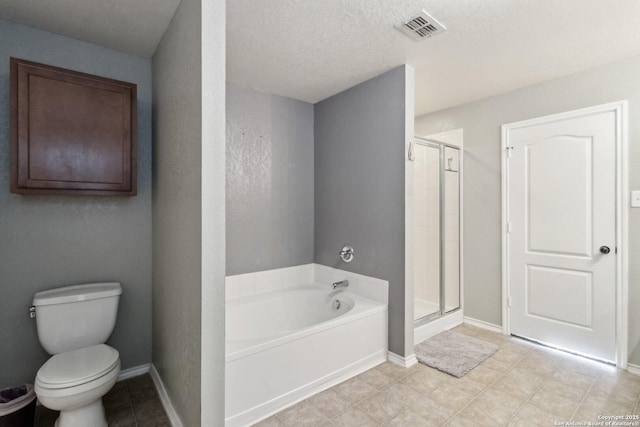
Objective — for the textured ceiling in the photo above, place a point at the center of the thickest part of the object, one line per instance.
(133, 26)
(310, 50)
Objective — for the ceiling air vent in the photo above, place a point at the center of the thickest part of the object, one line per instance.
(421, 26)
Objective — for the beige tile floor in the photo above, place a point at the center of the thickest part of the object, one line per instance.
(522, 384)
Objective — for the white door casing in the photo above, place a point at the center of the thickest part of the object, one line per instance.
(562, 179)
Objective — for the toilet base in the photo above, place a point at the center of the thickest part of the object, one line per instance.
(90, 415)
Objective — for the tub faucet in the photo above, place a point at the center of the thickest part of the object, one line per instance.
(341, 284)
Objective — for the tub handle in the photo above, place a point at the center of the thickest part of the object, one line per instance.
(347, 253)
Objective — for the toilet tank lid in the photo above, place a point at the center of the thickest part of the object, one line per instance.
(77, 293)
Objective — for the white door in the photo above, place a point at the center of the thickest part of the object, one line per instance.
(561, 232)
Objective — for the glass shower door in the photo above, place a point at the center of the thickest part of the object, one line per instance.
(426, 271)
(436, 233)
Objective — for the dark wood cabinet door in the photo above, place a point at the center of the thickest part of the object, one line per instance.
(71, 133)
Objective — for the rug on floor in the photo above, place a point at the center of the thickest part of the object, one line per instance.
(454, 353)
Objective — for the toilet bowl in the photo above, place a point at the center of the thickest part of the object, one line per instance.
(73, 324)
(74, 383)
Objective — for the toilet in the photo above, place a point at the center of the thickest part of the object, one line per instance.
(73, 324)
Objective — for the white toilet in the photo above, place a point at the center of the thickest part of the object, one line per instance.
(73, 324)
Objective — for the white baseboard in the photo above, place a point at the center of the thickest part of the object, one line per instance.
(136, 371)
(274, 406)
(174, 419)
(405, 362)
(482, 324)
(633, 369)
(436, 326)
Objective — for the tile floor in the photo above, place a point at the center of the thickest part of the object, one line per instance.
(131, 403)
(520, 385)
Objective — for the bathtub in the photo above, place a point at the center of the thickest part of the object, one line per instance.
(283, 346)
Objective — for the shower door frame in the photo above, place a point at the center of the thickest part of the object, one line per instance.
(442, 297)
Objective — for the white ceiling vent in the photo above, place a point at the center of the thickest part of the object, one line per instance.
(421, 26)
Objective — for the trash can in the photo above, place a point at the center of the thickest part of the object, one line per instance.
(17, 406)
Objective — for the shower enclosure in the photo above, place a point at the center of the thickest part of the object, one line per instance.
(436, 238)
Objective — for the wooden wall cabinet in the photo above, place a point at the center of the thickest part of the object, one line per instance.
(71, 133)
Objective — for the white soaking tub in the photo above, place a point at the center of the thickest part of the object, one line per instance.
(283, 346)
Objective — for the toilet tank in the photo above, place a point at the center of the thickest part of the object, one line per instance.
(76, 316)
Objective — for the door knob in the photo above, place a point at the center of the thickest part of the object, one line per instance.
(605, 249)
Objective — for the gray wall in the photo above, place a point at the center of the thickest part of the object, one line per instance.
(188, 212)
(50, 241)
(177, 215)
(269, 197)
(360, 187)
(482, 193)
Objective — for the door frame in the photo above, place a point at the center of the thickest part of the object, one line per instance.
(620, 108)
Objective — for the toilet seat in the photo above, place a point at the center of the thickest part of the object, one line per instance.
(77, 367)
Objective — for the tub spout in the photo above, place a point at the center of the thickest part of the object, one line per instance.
(340, 284)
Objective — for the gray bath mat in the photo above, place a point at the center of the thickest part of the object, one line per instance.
(453, 353)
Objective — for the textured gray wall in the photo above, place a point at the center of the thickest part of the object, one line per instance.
(177, 214)
(360, 187)
(50, 241)
(269, 198)
(481, 122)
